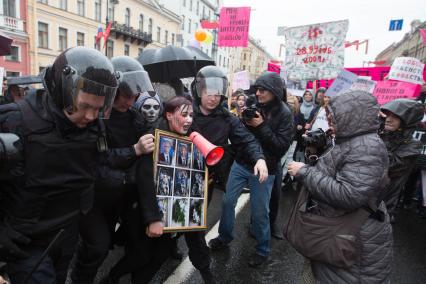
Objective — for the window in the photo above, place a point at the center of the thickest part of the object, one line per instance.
(80, 7)
(158, 33)
(63, 4)
(196, 26)
(42, 1)
(80, 39)
(140, 51)
(97, 44)
(43, 35)
(141, 22)
(111, 12)
(244, 56)
(110, 49)
(183, 22)
(14, 54)
(228, 63)
(244, 67)
(166, 37)
(198, 7)
(184, 3)
(209, 14)
(9, 8)
(220, 60)
(127, 17)
(173, 39)
(190, 5)
(98, 11)
(204, 12)
(63, 38)
(189, 25)
(150, 26)
(126, 49)
(12, 74)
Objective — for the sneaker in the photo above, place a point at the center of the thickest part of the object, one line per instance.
(257, 260)
(208, 277)
(217, 244)
(276, 232)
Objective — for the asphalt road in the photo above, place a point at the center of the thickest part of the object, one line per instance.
(285, 264)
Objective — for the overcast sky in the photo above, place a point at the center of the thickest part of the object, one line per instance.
(368, 19)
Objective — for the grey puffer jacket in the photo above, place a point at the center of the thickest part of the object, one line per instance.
(348, 177)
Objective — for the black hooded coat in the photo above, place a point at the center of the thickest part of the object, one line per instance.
(402, 148)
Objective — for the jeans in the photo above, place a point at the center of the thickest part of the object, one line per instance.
(260, 194)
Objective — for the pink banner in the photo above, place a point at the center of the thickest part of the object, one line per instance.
(234, 27)
(274, 68)
(423, 34)
(387, 91)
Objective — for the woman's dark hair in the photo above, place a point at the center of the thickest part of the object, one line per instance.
(174, 103)
(242, 95)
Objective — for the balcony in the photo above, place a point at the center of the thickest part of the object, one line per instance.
(127, 32)
(11, 23)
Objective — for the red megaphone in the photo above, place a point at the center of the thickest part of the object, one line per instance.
(211, 152)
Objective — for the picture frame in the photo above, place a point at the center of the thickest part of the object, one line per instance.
(180, 179)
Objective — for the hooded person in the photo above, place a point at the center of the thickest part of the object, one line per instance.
(151, 109)
(271, 122)
(401, 117)
(349, 175)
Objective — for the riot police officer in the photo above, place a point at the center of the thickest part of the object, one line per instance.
(53, 182)
(115, 183)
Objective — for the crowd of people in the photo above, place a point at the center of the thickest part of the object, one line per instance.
(82, 178)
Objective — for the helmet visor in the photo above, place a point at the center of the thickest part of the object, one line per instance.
(212, 86)
(135, 82)
(88, 94)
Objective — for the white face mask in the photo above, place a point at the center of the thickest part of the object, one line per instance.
(150, 110)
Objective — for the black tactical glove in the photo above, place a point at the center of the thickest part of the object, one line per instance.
(9, 238)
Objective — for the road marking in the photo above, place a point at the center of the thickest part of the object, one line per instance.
(185, 269)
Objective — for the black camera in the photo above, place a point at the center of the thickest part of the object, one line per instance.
(316, 142)
(250, 112)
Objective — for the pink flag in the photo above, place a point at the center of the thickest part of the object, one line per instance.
(423, 34)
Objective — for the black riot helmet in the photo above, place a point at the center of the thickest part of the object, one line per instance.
(210, 80)
(80, 70)
(132, 77)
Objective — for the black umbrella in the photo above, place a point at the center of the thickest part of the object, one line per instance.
(5, 43)
(164, 64)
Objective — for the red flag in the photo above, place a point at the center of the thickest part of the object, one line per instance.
(99, 35)
(107, 32)
(205, 24)
(423, 34)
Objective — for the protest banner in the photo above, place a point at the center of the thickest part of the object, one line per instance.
(241, 81)
(387, 91)
(272, 67)
(296, 92)
(234, 27)
(315, 51)
(1, 79)
(407, 69)
(321, 121)
(363, 84)
(342, 83)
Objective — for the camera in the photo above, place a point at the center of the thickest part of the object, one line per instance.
(250, 112)
(316, 142)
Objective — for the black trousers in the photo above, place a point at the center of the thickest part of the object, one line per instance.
(274, 203)
(96, 229)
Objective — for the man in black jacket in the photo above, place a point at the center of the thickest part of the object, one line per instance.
(116, 173)
(218, 125)
(272, 125)
(53, 182)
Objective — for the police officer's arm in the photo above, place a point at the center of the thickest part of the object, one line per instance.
(242, 138)
(279, 140)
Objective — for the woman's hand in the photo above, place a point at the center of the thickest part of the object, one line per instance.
(294, 167)
(155, 229)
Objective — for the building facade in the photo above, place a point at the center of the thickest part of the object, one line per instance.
(13, 24)
(411, 45)
(60, 24)
(254, 58)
